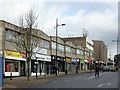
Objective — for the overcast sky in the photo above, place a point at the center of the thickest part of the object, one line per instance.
(100, 19)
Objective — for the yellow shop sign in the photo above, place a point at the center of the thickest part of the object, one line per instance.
(14, 54)
(68, 60)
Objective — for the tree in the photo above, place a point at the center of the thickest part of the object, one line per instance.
(25, 40)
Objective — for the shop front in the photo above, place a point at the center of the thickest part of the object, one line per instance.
(42, 66)
(73, 64)
(82, 64)
(78, 64)
(14, 63)
(68, 64)
(89, 63)
(85, 65)
(60, 63)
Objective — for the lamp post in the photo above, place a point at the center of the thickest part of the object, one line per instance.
(56, 40)
(36, 66)
(117, 47)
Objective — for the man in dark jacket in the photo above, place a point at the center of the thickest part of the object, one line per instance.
(97, 70)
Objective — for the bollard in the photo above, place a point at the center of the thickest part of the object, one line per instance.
(65, 71)
(11, 76)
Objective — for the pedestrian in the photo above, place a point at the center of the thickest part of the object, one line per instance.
(47, 70)
(97, 71)
(76, 69)
(56, 70)
(51, 70)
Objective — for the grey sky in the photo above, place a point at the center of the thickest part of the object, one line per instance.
(99, 18)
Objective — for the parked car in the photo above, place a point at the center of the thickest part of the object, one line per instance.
(106, 68)
(113, 69)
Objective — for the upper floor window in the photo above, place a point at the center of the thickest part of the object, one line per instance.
(67, 49)
(82, 53)
(61, 48)
(73, 51)
(8, 35)
(44, 44)
(78, 51)
(53, 45)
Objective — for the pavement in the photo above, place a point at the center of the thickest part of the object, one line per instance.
(21, 82)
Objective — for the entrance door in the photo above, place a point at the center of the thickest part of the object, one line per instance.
(22, 68)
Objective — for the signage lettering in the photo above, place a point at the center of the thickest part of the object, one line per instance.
(14, 54)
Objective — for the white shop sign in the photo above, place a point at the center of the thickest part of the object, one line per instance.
(21, 59)
(43, 58)
(41, 50)
(13, 74)
(86, 61)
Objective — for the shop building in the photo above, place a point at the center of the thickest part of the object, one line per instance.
(88, 50)
(42, 55)
(14, 60)
(70, 54)
(100, 50)
(60, 62)
(80, 57)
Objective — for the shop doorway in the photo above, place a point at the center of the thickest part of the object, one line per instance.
(81, 66)
(22, 68)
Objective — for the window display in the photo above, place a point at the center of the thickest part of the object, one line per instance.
(11, 66)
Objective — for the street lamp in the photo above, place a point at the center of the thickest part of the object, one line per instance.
(36, 66)
(56, 39)
(117, 47)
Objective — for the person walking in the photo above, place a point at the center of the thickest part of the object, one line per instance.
(97, 71)
(47, 70)
(76, 69)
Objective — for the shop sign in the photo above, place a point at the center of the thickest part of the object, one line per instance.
(78, 60)
(58, 58)
(14, 54)
(74, 60)
(68, 60)
(82, 61)
(43, 58)
(1, 52)
(89, 60)
(40, 50)
(86, 61)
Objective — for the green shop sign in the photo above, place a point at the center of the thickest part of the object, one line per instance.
(82, 61)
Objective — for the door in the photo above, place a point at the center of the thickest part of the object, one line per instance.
(22, 68)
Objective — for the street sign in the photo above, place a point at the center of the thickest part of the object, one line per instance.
(1, 71)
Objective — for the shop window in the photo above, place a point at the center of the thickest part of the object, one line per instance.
(11, 66)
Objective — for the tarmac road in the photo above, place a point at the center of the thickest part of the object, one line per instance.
(84, 80)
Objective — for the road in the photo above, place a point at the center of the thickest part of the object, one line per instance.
(84, 80)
